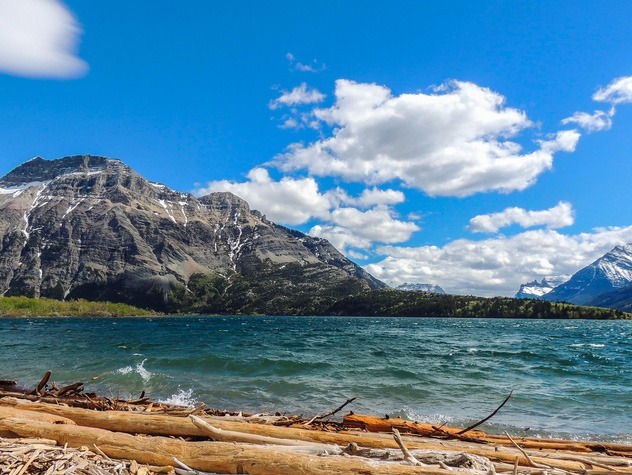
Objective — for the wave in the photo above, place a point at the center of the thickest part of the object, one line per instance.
(138, 369)
(182, 397)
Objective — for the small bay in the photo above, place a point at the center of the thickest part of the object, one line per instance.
(571, 378)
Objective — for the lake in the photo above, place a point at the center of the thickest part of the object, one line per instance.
(571, 378)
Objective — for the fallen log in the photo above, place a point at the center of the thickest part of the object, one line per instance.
(244, 437)
(378, 424)
(32, 415)
(158, 424)
(221, 457)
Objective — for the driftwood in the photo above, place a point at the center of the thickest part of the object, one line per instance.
(145, 423)
(42, 383)
(331, 413)
(408, 457)
(197, 441)
(244, 437)
(378, 424)
(485, 419)
(221, 457)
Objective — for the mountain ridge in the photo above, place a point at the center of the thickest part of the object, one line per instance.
(91, 227)
(537, 290)
(409, 287)
(606, 274)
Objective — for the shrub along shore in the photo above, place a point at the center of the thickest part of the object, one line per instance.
(43, 307)
(378, 303)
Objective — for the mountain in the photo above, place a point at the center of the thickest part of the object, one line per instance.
(620, 299)
(421, 288)
(610, 272)
(536, 290)
(91, 227)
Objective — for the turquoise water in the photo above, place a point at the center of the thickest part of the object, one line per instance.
(570, 378)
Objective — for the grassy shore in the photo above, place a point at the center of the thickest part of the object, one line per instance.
(29, 307)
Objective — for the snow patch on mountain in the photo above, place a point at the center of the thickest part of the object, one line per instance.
(435, 289)
(535, 289)
(610, 272)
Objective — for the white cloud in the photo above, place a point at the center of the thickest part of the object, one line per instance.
(38, 38)
(315, 67)
(368, 198)
(453, 142)
(341, 238)
(352, 228)
(599, 120)
(375, 196)
(497, 266)
(376, 225)
(356, 255)
(295, 201)
(299, 95)
(618, 91)
(289, 200)
(559, 216)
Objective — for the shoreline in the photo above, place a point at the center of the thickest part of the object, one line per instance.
(202, 315)
(275, 444)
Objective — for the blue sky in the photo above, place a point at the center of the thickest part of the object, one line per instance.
(427, 140)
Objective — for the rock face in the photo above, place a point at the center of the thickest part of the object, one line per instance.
(435, 289)
(91, 227)
(609, 273)
(536, 290)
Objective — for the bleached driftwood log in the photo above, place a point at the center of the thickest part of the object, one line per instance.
(221, 457)
(246, 438)
(32, 415)
(152, 424)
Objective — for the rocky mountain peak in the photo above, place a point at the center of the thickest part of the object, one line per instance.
(610, 272)
(40, 170)
(435, 289)
(88, 226)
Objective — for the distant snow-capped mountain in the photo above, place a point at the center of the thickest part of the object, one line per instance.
(435, 289)
(536, 290)
(610, 272)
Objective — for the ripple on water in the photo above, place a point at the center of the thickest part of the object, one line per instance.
(568, 377)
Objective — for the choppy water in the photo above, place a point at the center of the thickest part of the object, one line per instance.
(570, 378)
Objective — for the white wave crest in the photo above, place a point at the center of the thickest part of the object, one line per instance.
(139, 369)
(184, 397)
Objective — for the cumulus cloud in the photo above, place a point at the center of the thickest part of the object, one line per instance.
(368, 198)
(341, 238)
(618, 91)
(496, 266)
(377, 224)
(599, 120)
(38, 38)
(347, 221)
(290, 201)
(559, 216)
(452, 142)
(353, 228)
(375, 196)
(299, 95)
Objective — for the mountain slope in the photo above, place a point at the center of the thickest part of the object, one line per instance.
(91, 227)
(621, 299)
(610, 272)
